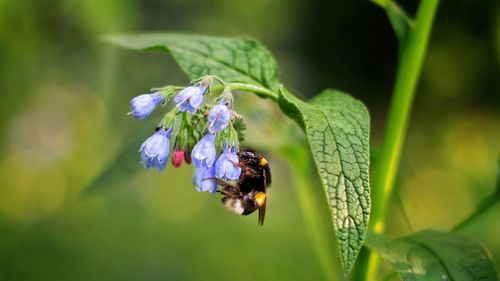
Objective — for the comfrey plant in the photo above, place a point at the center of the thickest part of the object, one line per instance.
(205, 131)
(199, 126)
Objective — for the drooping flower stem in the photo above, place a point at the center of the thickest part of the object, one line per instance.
(258, 90)
(243, 87)
(169, 118)
(410, 65)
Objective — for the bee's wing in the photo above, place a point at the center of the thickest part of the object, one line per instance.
(262, 213)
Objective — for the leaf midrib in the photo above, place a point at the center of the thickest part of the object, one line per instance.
(341, 165)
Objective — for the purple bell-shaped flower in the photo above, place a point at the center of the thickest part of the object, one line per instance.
(203, 180)
(143, 105)
(154, 151)
(218, 118)
(226, 166)
(203, 154)
(190, 98)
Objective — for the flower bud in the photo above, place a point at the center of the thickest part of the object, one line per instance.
(143, 105)
(177, 157)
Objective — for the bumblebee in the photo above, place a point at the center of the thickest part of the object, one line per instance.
(249, 193)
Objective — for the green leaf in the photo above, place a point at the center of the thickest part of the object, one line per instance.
(399, 20)
(381, 3)
(435, 255)
(232, 59)
(337, 128)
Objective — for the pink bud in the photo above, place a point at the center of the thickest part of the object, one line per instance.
(177, 157)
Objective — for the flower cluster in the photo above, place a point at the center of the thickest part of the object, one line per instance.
(205, 132)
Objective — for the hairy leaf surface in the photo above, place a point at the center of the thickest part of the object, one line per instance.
(235, 59)
(435, 255)
(337, 128)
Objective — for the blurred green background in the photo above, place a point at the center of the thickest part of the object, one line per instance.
(63, 102)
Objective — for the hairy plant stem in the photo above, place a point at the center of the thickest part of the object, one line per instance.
(411, 59)
(258, 90)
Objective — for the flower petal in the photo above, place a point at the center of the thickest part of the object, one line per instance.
(143, 105)
(203, 153)
(155, 150)
(202, 181)
(225, 167)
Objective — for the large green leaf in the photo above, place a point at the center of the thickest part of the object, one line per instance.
(233, 59)
(337, 128)
(435, 255)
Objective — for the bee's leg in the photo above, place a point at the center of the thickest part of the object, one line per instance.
(247, 170)
(227, 188)
(240, 164)
(218, 181)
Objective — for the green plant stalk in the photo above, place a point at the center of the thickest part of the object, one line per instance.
(258, 90)
(381, 3)
(410, 65)
(299, 160)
